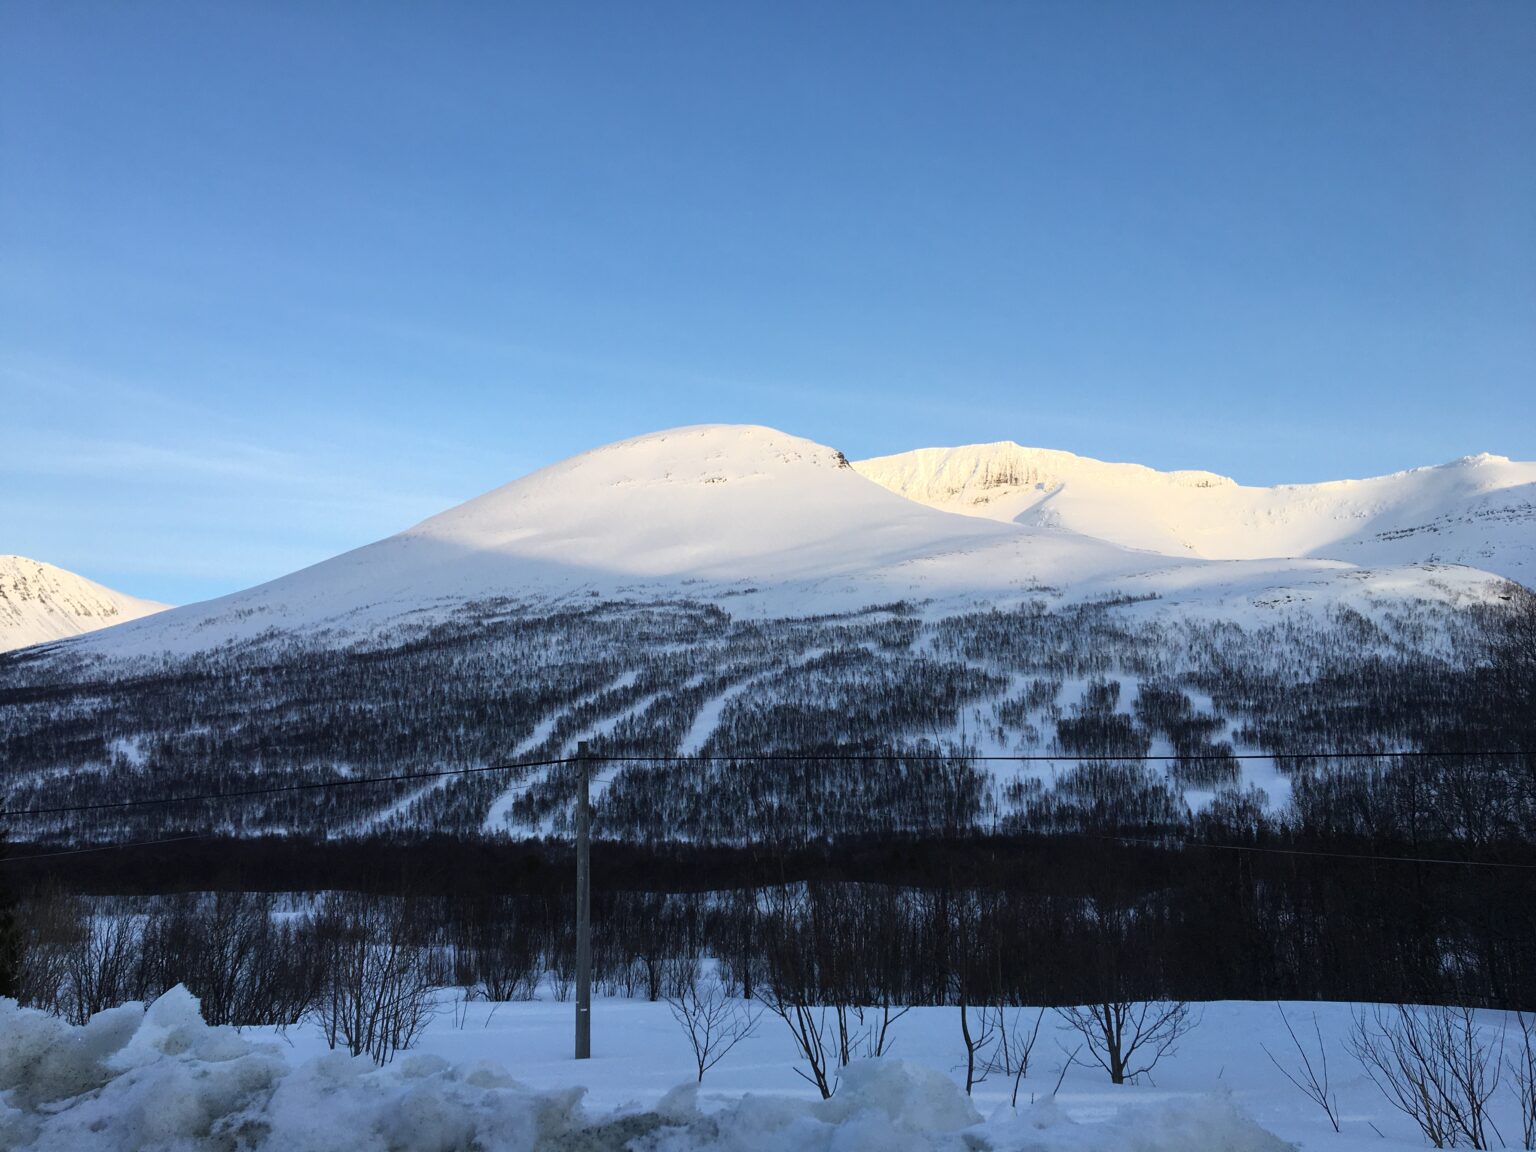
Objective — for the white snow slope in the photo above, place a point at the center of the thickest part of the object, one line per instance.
(1479, 511)
(39, 602)
(770, 523)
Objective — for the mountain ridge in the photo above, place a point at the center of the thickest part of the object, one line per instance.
(774, 524)
(40, 602)
(1460, 504)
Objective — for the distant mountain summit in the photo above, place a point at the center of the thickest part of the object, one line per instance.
(708, 502)
(1478, 511)
(40, 602)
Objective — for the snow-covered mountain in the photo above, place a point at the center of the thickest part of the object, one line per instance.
(735, 592)
(39, 602)
(1478, 511)
(776, 525)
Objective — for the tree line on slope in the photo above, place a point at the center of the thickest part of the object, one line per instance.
(504, 682)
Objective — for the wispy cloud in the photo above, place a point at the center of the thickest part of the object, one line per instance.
(139, 462)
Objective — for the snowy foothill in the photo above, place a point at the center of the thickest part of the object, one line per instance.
(499, 1076)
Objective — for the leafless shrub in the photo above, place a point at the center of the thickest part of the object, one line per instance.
(1310, 1077)
(245, 967)
(680, 975)
(498, 956)
(561, 966)
(978, 1042)
(792, 992)
(377, 995)
(741, 974)
(1015, 1044)
(714, 1021)
(876, 1029)
(102, 969)
(1061, 1072)
(1433, 1065)
(809, 1026)
(864, 1031)
(242, 965)
(1521, 1063)
(52, 928)
(1128, 1038)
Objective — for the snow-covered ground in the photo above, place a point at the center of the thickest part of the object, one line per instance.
(501, 1077)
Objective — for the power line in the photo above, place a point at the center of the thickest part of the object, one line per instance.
(1143, 840)
(517, 790)
(1053, 757)
(104, 848)
(1319, 852)
(774, 757)
(312, 786)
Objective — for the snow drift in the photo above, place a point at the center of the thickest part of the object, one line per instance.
(158, 1078)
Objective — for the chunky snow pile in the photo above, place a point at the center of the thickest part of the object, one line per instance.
(159, 1078)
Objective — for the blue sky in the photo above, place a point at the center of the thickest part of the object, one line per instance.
(279, 279)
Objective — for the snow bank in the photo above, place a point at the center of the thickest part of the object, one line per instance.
(158, 1078)
(1202, 1124)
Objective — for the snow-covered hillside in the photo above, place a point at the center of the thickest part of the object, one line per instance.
(773, 525)
(39, 602)
(1478, 511)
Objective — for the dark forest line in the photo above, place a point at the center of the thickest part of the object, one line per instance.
(1044, 919)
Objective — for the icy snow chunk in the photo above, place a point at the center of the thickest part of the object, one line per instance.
(680, 1105)
(42, 1059)
(129, 1081)
(910, 1096)
(172, 1025)
(880, 1106)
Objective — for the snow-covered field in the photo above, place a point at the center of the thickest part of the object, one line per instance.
(501, 1077)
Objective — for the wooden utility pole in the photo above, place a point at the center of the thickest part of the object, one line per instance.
(583, 904)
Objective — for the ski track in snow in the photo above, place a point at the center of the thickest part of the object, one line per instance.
(708, 718)
(380, 820)
(501, 807)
